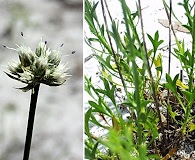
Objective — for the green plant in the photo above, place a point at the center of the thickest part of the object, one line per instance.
(35, 67)
(133, 78)
(126, 62)
(186, 57)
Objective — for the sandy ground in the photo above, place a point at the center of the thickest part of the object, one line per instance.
(58, 122)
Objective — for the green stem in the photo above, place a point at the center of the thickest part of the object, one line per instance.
(191, 78)
(31, 116)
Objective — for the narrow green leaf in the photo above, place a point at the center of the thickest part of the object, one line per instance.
(94, 121)
(87, 117)
(97, 108)
(94, 150)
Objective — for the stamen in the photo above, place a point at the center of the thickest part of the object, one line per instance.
(9, 47)
(73, 52)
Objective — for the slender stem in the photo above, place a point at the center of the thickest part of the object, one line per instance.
(111, 46)
(31, 116)
(156, 101)
(169, 64)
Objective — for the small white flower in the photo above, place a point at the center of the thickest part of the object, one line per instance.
(13, 67)
(41, 48)
(26, 76)
(60, 74)
(41, 64)
(54, 57)
(26, 55)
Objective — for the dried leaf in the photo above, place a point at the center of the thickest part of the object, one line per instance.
(115, 123)
(191, 127)
(176, 25)
(171, 153)
(180, 84)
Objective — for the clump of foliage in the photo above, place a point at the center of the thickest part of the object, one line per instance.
(161, 114)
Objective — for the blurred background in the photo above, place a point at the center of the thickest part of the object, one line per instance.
(58, 123)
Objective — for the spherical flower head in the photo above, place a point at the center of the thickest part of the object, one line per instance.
(40, 66)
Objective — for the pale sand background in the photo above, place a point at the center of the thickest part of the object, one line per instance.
(58, 122)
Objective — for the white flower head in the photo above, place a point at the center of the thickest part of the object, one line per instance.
(40, 66)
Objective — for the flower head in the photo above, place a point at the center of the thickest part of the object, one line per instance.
(40, 66)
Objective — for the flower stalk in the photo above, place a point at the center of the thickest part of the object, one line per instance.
(31, 116)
